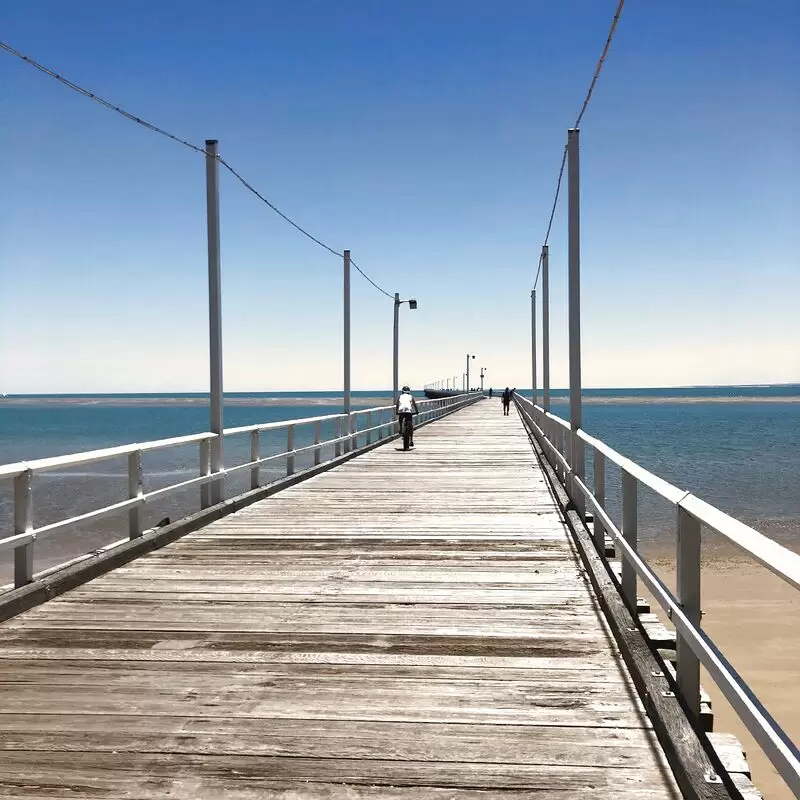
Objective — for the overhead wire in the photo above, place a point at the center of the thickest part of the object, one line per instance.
(196, 148)
(589, 93)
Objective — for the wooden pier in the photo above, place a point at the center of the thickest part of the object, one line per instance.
(405, 625)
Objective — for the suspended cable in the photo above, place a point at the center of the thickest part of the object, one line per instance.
(369, 280)
(600, 63)
(92, 96)
(196, 148)
(597, 71)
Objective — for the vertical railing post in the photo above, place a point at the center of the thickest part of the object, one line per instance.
(546, 327)
(23, 523)
(354, 432)
(369, 427)
(317, 440)
(600, 496)
(558, 440)
(337, 434)
(568, 440)
(135, 490)
(290, 450)
(255, 455)
(205, 469)
(217, 487)
(577, 461)
(631, 536)
(554, 438)
(688, 590)
(533, 346)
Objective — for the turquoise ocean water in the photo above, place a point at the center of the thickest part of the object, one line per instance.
(736, 447)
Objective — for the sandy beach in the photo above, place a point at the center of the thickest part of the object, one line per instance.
(754, 618)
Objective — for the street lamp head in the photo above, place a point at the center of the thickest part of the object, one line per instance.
(412, 304)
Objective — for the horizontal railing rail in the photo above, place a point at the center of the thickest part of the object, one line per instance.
(358, 429)
(694, 646)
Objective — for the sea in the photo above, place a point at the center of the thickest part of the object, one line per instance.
(737, 447)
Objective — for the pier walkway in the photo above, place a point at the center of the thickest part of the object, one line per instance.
(405, 625)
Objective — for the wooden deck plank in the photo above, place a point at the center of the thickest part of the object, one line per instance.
(407, 625)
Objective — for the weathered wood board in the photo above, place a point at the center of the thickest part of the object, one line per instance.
(406, 626)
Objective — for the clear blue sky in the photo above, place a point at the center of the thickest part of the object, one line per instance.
(424, 136)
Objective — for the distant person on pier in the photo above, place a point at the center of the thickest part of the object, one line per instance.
(491, 392)
(506, 400)
(406, 408)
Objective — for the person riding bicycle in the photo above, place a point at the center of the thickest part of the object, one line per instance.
(406, 408)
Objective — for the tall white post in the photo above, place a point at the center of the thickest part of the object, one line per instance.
(396, 351)
(347, 341)
(546, 327)
(533, 345)
(217, 487)
(574, 217)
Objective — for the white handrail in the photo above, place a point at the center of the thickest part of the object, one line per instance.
(781, 751)
(25, 535)
(280, 424)
(775, 557)
(73, 459)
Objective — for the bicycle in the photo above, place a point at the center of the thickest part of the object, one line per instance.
(406, 430)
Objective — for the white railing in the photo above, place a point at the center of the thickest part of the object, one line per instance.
(360, 428)
(694, 647)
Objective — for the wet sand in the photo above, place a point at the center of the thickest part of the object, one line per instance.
(754, 618)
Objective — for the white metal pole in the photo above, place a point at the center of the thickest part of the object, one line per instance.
(574, 214)
(546, 327)
(216, 489)
(467, 371)
(533, 345)
(396, 352)
(347, 341)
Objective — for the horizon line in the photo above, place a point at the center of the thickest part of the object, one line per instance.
(389, 390)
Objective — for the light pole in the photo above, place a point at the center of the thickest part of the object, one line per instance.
(468, 358)
(483, 370)
(412, 304)
(215, 492)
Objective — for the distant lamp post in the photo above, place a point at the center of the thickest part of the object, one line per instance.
(412, 304)
(468, 358)
(483, 370)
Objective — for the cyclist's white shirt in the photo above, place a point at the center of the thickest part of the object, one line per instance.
(405, 404)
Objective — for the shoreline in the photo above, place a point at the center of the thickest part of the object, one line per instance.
(377, 399)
